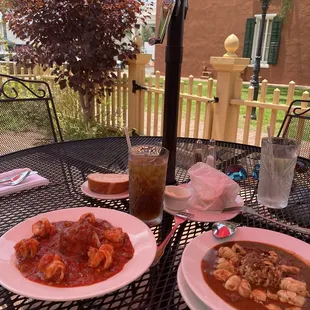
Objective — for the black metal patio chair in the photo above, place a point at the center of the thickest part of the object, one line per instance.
(27, 114)
(296, 125)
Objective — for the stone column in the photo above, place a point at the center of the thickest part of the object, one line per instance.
(136, 73)
(228, 67)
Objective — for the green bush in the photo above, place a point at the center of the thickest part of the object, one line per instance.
(71, 118)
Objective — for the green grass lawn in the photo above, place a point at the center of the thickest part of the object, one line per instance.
(244, 95)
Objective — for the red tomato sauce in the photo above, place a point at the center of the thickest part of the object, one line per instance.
(78, 272)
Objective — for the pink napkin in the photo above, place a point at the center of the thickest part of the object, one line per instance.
(211, 189)
(31, 181)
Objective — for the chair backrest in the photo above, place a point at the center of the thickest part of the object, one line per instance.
(296, 125)
(27, 114)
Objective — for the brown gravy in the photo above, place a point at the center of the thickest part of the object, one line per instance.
(233, 298)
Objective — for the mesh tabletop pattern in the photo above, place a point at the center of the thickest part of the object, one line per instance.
(67, 165)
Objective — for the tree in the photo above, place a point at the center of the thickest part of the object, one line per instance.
(285, 7)
(85, 35)
(148, 32)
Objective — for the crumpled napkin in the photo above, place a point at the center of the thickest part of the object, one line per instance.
(31, 181)
(211, 189)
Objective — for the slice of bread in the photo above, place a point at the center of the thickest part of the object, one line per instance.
(108, 183)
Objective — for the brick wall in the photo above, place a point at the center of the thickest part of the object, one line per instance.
(209, 22)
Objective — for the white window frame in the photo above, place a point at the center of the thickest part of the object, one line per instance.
(258, 17)
(1, 29)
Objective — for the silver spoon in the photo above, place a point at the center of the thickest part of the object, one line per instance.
(222, 230)
(17, 179)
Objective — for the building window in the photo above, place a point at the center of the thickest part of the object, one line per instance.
(271, 38)
(266, 37)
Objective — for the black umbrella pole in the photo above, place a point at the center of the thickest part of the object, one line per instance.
(174, 54)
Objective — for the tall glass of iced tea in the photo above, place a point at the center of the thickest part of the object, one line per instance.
(147, 180)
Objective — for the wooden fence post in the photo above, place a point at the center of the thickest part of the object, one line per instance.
(247, 120)
(228, 67)
(14, 68)
(260, 117)
(290, 92)
(136, 73)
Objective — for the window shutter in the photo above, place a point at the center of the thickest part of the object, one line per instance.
(274, 41)
(248, 38)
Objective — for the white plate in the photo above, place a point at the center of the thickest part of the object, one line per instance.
(198, 247)
(85, 189)
(207, 216)
(192, 301)
(140, 235)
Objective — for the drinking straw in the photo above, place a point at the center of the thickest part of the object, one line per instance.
(270, 150)
(127, 139)
(269, 134)
(211, 158)
(198, 152)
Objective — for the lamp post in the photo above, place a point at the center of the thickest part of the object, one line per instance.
(258, 56)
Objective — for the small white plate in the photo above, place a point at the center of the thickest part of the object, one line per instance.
(85, 189)
(207, 216)
(198, 247)
(140, 236)
(192, 301)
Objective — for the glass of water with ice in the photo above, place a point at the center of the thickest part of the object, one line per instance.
(278, 161)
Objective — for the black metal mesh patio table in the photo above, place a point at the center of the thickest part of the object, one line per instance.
(67, 165)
